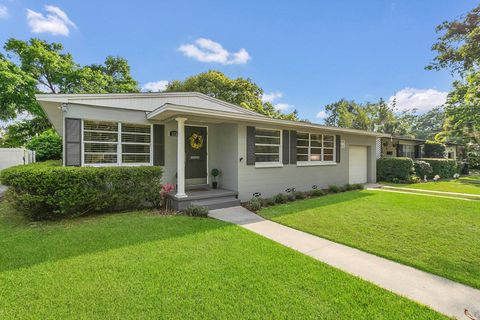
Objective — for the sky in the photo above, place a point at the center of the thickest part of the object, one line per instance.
(304, 54)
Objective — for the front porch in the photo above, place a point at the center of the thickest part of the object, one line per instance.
(205, 197)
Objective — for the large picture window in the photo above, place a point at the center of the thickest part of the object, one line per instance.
(315, 148)
(267, 145)
(112, 143)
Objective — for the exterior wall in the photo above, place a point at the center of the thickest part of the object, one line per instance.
(10, 157)
(223, 154)
(451, 149)
(270, 181)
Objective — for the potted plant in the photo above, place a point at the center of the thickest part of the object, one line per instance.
(215, 174)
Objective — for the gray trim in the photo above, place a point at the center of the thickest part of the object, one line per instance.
(338, 143)
(293, 147)
(250, 146)
(73, 142)
(286, 147)
(158, 145)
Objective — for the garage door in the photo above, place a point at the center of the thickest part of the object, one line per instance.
(357, 164)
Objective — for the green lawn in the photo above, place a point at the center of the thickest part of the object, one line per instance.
(469, 184)
(141, 266)
(438, 235)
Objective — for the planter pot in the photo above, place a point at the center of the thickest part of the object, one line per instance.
(214, 184)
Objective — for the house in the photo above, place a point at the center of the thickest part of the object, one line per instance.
(396, 146)
(189, 134)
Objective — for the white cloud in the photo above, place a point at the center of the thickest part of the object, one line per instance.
(206, 50)
(155, 86)
(3, 11)
(55, 21)
(270, 97)
(421, 99)
(322, 114)
(282, 106)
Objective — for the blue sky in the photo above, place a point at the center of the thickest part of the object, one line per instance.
(305, 54)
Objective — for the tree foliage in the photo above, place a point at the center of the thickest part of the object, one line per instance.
(47, 145)
(240, 91)
(37, 66)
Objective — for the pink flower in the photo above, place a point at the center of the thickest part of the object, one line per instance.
(166, 189)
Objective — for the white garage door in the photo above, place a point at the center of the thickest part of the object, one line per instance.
(357, 164)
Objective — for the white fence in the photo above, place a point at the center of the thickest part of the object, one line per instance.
(14, 156)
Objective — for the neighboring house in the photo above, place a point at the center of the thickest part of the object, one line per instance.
(10, 157)
(189, 134)
(409, 147)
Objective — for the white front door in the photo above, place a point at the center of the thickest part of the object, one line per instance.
(357, 164)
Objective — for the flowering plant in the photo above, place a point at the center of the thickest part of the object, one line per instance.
(456, 176)
(436, 178)
(166, 189)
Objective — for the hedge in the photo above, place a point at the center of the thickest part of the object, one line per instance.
(422, 168)
(445, 168)
(45, 192)
(390, 169)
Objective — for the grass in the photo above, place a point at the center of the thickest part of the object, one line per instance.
(434, 234)
(468, 184)
(140, 265)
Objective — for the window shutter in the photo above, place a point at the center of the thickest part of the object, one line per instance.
(293, 147)
(73, 142)
(418, 151)
(286, 147)
(158, 145)
(250, 146)
(399, 150)
(338, 145)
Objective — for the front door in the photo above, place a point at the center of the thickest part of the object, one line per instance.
(195, 155)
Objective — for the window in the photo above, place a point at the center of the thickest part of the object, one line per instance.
(408, 150)
(135, 143)
(267, 145)
(116, 143)
(315, 148)
(100, 142)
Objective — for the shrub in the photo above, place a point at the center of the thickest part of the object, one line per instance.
(254, 204)
(348, 187)
(445, 168)
(317, 192)
(390, 169)
(280, 198)
(300, 195)
(422, 168)
(473, 156)
(357, 186)
(333, 189)
(433, 149)
(414, 179)
(52, 192)
(196, 211)
(268, 202)
(47, 145)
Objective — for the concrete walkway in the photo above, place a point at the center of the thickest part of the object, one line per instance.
(440, 294)
(434, 191)
(419, 193)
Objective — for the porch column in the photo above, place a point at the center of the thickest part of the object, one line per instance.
(181, 158)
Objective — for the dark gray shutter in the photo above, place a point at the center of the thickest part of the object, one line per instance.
(399, 150)
(285, 146)
(338, 145)
(293, 147)
(250, 146)
(158, 145)
(418, 151)
(73, 142)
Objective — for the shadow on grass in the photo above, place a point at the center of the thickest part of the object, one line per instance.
(24, 244)
(302, 205)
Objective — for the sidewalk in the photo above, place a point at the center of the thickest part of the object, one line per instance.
(440, 294)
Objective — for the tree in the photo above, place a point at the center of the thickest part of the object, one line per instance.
(434, 149)
(240, 91)
(458, 47)
(428, 125)
(47, 146)
(37, 66)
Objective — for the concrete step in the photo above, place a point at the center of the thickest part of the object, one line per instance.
(217, 203)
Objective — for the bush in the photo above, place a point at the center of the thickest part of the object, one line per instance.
(390, 169)
(268, 202)
(357, 186)
(433, 149)
(317, 193)
(280, 198)
(445, 168)
(333, 189)
(196, 211)
(473, 156)
(254, 204)
(52, 192)
(47, 145)
(300, 195)
(422, 168)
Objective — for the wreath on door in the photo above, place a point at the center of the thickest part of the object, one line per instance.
(196, 141)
